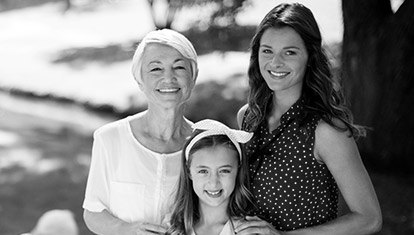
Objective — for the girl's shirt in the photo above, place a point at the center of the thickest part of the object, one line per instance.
(130, 181)
(291, 188)
(228, 228)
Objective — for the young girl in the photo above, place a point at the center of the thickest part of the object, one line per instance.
(212, 195)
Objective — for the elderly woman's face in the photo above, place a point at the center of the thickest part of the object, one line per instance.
(166, 75)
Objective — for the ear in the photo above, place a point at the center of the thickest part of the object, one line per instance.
(189, 174)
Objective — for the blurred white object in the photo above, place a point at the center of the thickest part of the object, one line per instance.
(55, 222)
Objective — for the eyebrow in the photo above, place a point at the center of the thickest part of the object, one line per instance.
(288, 47)
(202, 166)
(159, 62)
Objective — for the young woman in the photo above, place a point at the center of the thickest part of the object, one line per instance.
(136, 160)
(212, 195)
(303, 150)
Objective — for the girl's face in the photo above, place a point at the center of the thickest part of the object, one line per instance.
(166, 75)
(282, 60)
(213, 171)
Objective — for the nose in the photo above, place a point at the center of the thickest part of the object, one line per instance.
(169, 75)
(214, 180)
(277, 60)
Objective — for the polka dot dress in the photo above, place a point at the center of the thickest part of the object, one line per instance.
(292, 190)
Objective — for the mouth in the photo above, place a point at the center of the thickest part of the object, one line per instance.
(214, 194)
(168, 90)
(278, 75)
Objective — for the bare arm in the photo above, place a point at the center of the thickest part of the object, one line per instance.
(104, 223)
(340, 153)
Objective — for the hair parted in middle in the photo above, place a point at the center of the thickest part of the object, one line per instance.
(186, 208)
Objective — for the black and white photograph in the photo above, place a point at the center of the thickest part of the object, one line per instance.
(206, 117)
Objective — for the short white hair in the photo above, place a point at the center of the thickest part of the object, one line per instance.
(165, 37)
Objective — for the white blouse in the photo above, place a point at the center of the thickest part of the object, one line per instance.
(130, 181)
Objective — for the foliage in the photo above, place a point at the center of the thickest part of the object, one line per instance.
(223, 16)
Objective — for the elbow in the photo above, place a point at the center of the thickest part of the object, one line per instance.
(373, 223)
(376, 223)
(88, 220)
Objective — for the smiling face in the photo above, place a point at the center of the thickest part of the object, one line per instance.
(213, 171)
(282, 60)
(166, 75)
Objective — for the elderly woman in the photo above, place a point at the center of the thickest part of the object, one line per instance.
(136, 160)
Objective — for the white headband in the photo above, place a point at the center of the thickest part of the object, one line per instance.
(213, 127)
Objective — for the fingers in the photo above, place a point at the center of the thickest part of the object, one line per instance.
(255, 225)
(251, 222)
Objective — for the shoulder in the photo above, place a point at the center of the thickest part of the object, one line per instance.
(240, 114)
(326, 131)
(115, 128)
(330, 142)
(108, 129)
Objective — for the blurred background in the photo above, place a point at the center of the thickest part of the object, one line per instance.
(65, 71)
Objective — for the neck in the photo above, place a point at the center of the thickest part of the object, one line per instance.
(281, 103)
(166, 124)
(213, 215)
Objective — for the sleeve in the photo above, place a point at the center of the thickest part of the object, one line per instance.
(97, 186)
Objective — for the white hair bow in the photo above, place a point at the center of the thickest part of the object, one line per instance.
(213, 127)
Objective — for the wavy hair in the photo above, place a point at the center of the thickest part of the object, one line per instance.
(186, 212)
(322, 95)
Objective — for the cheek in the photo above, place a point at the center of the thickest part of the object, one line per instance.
(231, 182)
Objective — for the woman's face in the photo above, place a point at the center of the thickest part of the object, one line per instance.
(213, 172)
(282, 60)
(166, 75)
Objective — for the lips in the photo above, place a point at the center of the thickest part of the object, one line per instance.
(278, 75)
(168, 90)
(214, 194)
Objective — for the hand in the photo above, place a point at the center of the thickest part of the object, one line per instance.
(139, 228)
(255, 225)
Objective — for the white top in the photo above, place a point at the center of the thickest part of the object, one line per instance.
(127, 179)
(227, 229)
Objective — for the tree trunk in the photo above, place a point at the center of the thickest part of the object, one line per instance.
(378, 75)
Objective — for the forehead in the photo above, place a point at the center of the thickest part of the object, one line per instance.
(285, 36)
(215, 156)
(160, 52)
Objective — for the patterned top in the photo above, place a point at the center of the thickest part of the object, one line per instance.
(292, 189)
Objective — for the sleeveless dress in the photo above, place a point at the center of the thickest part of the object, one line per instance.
(292, 189)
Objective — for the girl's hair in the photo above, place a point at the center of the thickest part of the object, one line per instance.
(186, 211)
(321, 93)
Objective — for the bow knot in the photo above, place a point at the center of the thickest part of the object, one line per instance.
(212, 127)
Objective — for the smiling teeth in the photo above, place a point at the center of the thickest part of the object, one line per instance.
(214, 193)
(168, 90)
(278, 74)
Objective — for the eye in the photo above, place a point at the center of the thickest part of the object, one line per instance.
(291, 52)
(155, 69)
(225, 171)
(266, 51)
(202, 171)
(180, 68)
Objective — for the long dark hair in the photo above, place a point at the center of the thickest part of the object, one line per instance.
(321, 93)
(186, 212)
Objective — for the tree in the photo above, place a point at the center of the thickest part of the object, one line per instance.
(378, 74)
(226, 10)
